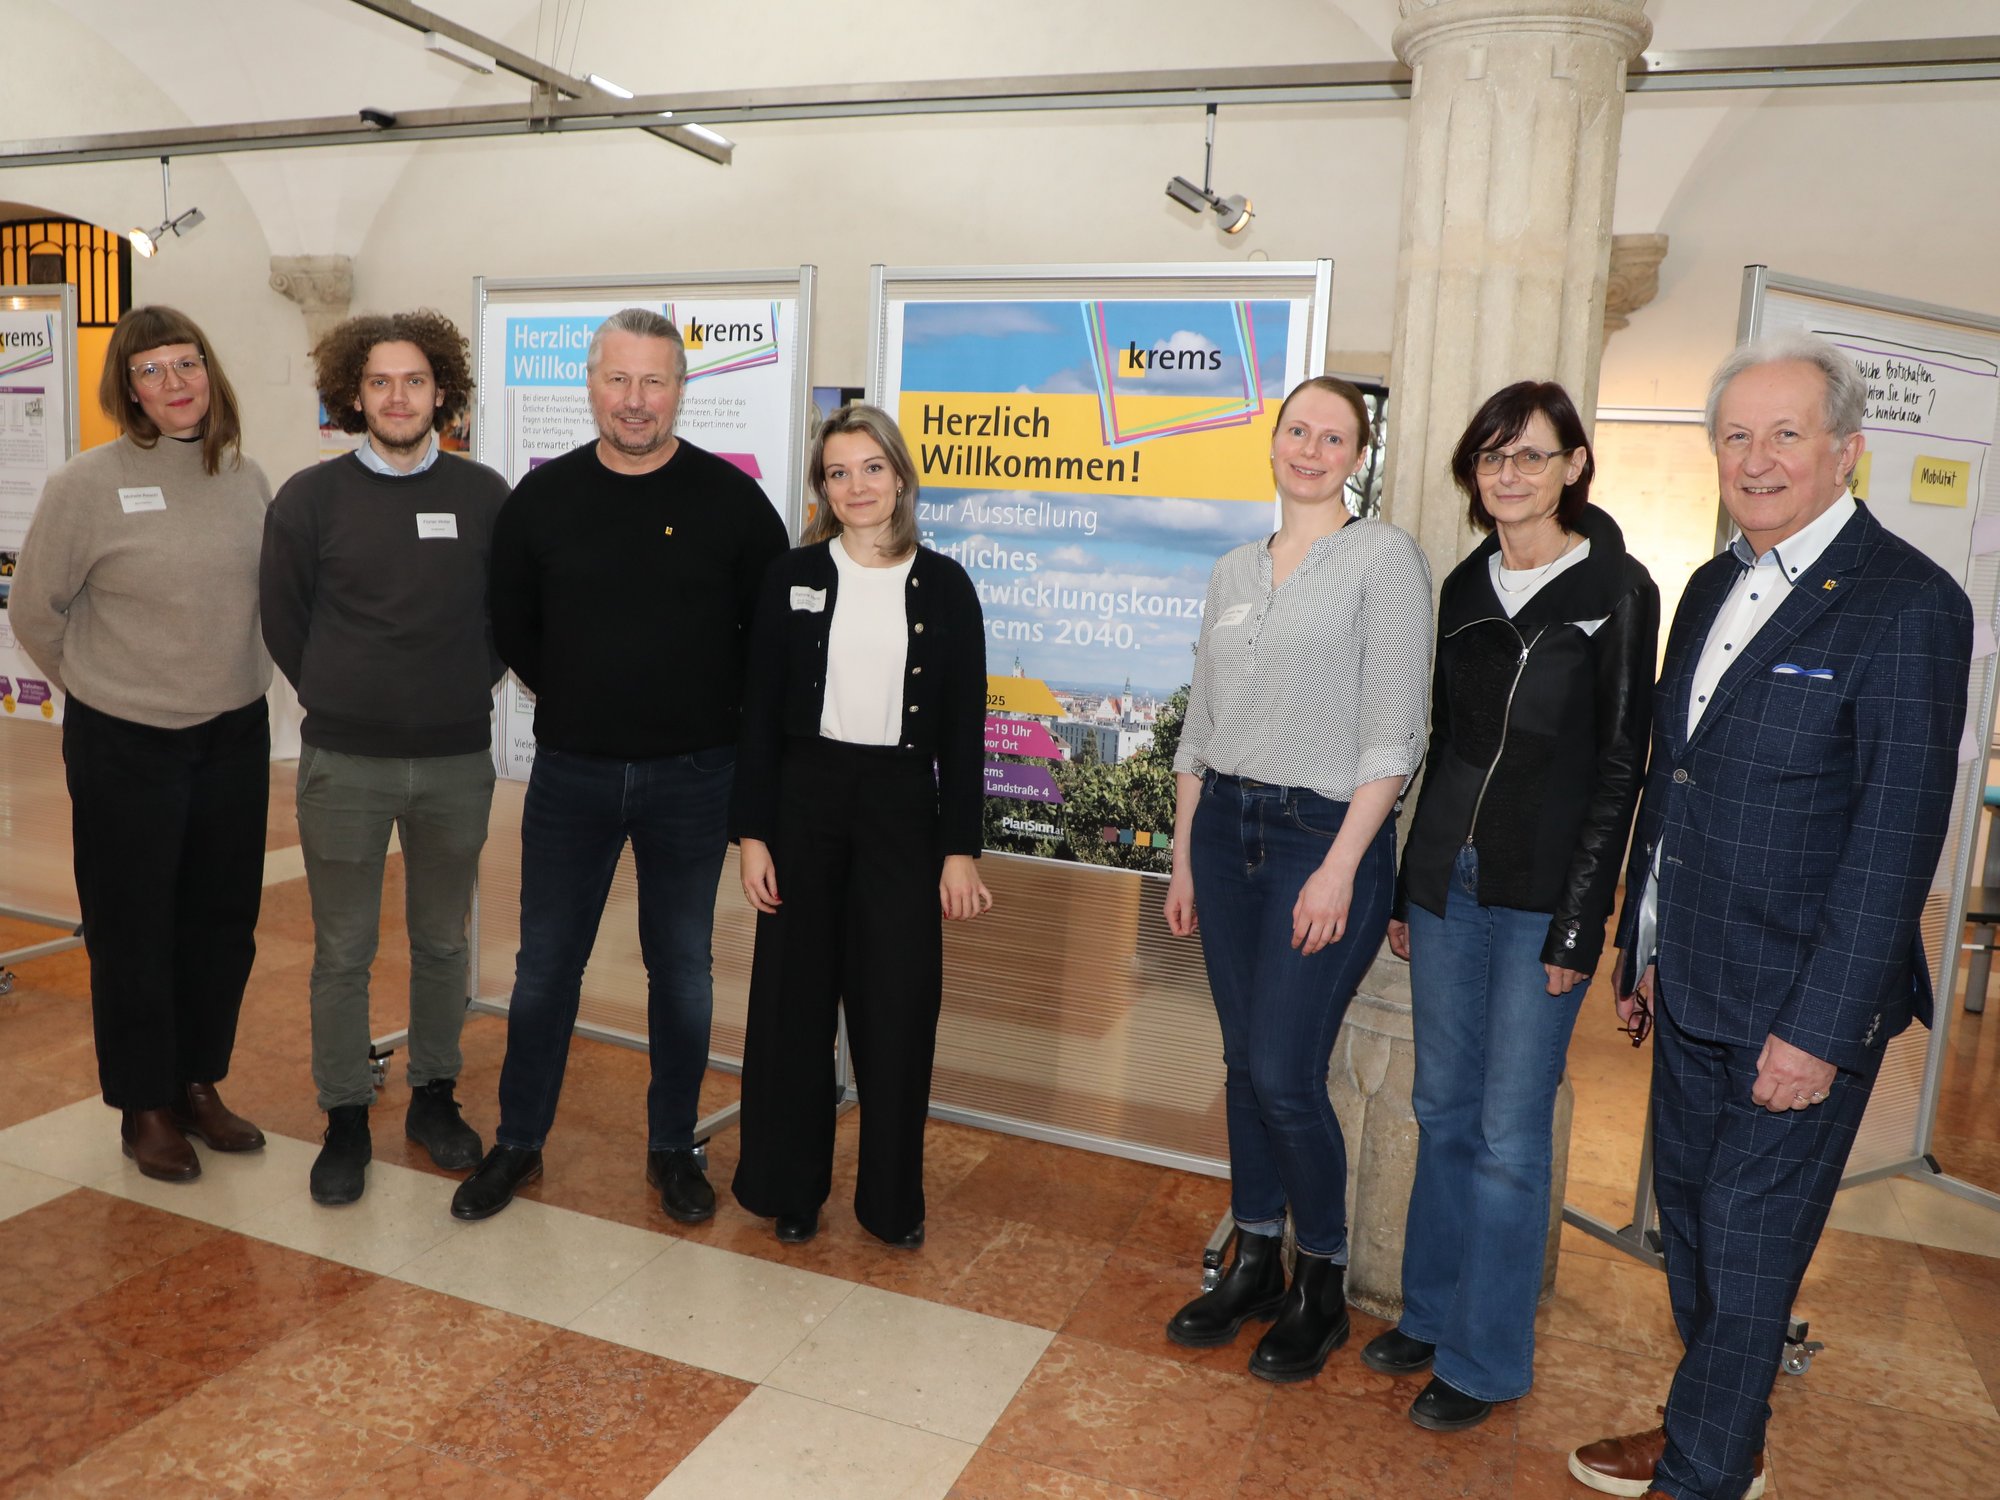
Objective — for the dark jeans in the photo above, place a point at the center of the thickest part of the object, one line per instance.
(1253, 847)
(856, 856)
(579, 812)
(168, 832)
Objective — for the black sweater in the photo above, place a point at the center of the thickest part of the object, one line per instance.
(623, 601)
(944, 675)
(1538, 740)
(373, 592)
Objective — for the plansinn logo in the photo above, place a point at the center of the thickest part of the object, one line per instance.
(1137, 361)
(697, 334)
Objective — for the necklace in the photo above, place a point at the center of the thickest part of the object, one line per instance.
(1540, 573)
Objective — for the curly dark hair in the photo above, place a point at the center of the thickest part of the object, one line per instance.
(339, 357)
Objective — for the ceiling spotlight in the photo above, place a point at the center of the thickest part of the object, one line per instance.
(599, 81)
(146, 242)
(1234, 212)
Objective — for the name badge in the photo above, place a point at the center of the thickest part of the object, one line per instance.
(812, 601)
(434, 523)
(1236, 614)
(141, 497)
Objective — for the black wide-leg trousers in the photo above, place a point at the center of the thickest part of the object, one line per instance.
(857, 863)
(168, 834)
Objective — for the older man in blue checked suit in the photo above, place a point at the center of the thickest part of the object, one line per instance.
(1805, 743)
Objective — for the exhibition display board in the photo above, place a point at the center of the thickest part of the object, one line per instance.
(1933, 417)
(748, 336)
(1089, 440)
(38, 434)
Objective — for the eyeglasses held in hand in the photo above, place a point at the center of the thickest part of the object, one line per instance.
(188, 368)
(1641, 1024)
(1526, 460)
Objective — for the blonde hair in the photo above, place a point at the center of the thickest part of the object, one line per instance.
(900, 538)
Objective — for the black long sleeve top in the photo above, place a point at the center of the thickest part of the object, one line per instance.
(623, 601)
(944, 677)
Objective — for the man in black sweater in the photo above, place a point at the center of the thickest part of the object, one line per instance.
(374, 605)
(625, 575)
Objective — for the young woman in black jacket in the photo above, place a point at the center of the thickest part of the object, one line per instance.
(1540, 709)
(858, 800)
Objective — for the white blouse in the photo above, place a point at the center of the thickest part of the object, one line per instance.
(867, 646)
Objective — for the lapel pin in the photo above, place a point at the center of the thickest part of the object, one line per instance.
(1828, 585)
(670, 531)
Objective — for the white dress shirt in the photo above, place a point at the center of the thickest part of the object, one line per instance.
(1764, 584)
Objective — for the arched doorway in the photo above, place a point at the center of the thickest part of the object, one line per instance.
(38, 248)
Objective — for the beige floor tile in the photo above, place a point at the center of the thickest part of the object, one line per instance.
(716, 1309)
(233, 1186)
(535, 1261)
(778, 1446)
(938, 1368)
(1946, 1220)
(400, 1216)
(1870, 1209)
(78, 1143)
(21, 1189)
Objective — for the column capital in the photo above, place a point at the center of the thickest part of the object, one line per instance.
(1427, 23)
(1634, 278)
(322, 286)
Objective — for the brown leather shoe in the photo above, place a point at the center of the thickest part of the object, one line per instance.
(1624, 1465)
(214, 1124)
(154, 1141)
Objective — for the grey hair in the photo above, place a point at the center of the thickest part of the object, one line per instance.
(1846, 391)
(642, 321)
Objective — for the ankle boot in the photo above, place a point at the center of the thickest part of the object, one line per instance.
(433, 1122)
(1311, 1324)
(156, 1144)
(1252, 1287)
(202, 1114)
(340, 1171)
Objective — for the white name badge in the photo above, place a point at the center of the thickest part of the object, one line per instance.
(1234, 615)
(141, 497)
(812, 601)
(433, 523)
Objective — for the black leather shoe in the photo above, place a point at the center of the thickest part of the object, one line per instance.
(684, 1191)
(1445, 1408)
(1312, 1323)
(340, 1171)
(493, 1183)
(1396, 1353)
(796, 1229)
(914, 1240)
(433, 1122)
(1252, 1287)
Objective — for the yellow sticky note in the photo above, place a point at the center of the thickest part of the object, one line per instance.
(1941, 481)
(1859, 484)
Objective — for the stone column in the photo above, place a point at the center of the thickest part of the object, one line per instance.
(1516, 108)
(1515, 113)
(322, 285)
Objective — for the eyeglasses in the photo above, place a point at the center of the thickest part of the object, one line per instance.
(153, 372)
(1526, 460)
(1641, 1023)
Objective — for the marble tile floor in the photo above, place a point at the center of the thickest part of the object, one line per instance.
(229, 1337)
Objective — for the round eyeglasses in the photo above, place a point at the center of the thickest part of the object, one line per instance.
(153, 372)
(1526, 460)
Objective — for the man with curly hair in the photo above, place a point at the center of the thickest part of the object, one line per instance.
(374, 604)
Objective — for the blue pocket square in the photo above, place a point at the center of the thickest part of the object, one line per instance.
(1793, 669)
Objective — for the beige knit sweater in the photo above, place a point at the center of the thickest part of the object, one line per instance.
(136, 588)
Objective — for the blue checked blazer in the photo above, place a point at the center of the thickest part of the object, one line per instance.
(1800, 826)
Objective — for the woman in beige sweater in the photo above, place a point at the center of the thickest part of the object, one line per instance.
(136, 592)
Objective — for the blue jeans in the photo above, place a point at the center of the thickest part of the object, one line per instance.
(579, 812)
(1490, 1043)
(1253, 847)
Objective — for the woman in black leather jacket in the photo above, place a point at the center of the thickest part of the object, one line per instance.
(1540, 709)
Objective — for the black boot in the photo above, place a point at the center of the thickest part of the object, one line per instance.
(340, 1171)
(1252, 1287)
(1311, 1324)
(433, 1122)
(493, 1183)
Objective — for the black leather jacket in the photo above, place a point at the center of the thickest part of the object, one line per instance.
(1539, 728)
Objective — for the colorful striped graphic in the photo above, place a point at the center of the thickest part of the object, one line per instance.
(1233, 413)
